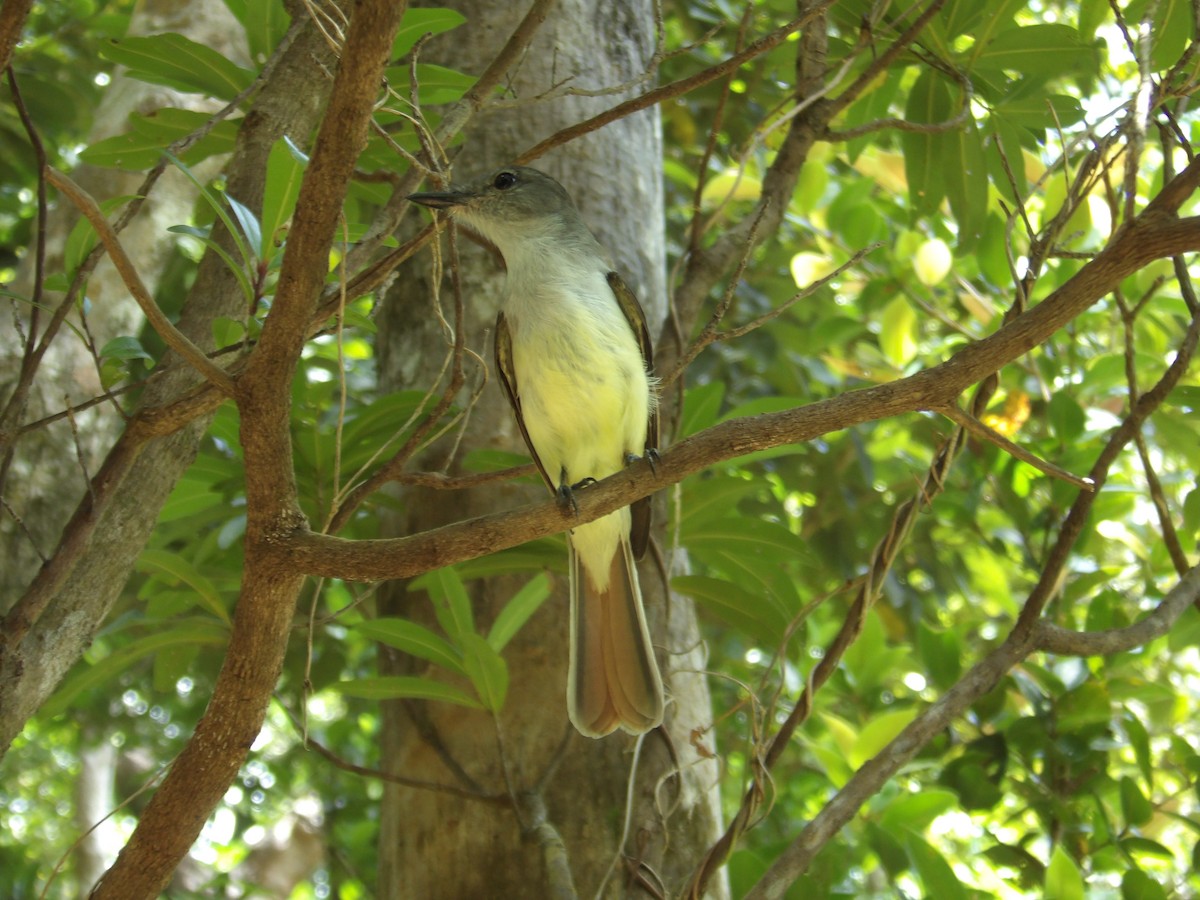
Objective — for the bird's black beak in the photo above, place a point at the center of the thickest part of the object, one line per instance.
(440, 199)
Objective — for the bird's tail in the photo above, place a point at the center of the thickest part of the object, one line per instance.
(613, 680)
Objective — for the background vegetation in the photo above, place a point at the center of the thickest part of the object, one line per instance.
(940, 666)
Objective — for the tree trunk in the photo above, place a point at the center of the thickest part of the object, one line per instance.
(438, 845)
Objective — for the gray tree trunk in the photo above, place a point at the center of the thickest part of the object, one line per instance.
(437, 845)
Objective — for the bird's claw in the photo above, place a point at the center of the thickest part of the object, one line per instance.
(651, 457)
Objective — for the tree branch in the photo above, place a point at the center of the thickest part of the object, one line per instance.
(930, 389)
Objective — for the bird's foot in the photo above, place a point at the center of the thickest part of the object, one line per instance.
(566, 494)
(651, 457)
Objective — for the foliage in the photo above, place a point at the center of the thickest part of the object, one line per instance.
(1074, 776)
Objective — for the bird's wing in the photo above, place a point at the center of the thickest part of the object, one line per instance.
(640, 510)
(508, 378)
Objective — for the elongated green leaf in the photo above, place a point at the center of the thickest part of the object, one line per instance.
(917, 810)
(965, 171)
(435, 84)
(878, 732)
(413, 639)
(1063, 879)
(169, 124)
(247, 252)
(285, 170)
(195, 631)
(450, 603)
(701, 405)
(1037, 110)
(937, 876)
(251, 228)
(418, 22)
(265, 22)
(179, 62)
(1134, 805)
(1043, 50)
(398, 687)
(124, 347)
(898, 331)
(203, 235)
(487, 670)
(745, 610)
(174, 569)
(516, 612)
(929, 101)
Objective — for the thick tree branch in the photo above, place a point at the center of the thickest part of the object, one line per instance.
(931, 389)
(1052, 638)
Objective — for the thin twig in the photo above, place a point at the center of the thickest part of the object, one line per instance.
(984, 432)
(674, 89)
(172, 336)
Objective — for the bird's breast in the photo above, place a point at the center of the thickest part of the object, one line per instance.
(582, 381)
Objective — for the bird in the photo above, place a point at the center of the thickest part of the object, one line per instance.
(575, 359)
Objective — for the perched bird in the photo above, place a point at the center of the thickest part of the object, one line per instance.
(574, 356)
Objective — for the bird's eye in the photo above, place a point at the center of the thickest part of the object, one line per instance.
(504, 181)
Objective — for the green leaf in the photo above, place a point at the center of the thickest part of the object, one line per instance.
(1139, 740)
(413, 639)
(941, 652)
(227, 332)
(436, 84)
(487, 670)
(204, 236)
(179, 62)
(878, 733)
(218, 208)
(928, 101)
(745, 610)
(1036, 110)
(965, 171)
(251, 229)
(1063, 880)
(265, 23)
(516, 612)
(917, 810)
(124, 347)
(1170, 31)
(285, 171)
(404, 687)
(1043, 50)
(419, 22)
(1066, 417)
(1134, 806)
(173, 569)
(701, 404)
(1137, 885)
(937, 876)
(451, 604)
(142, 146)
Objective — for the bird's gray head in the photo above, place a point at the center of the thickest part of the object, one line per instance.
(510, 202)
